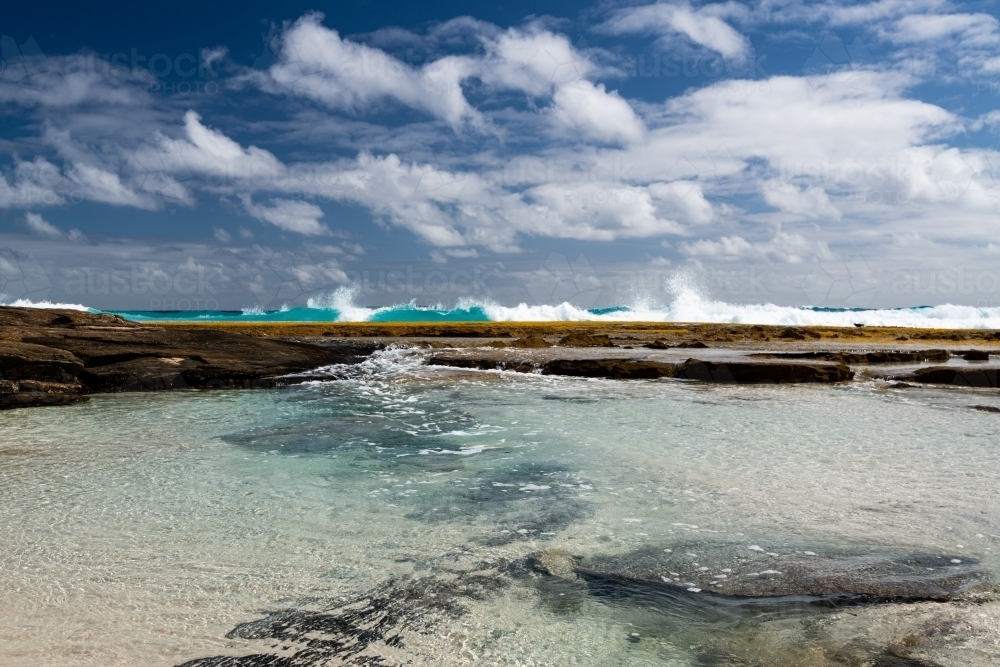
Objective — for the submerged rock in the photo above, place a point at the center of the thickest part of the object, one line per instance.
(748, 571)
(359, 631)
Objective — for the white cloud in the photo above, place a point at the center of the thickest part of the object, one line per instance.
(701, 26)
(38, 225)
(782, 248)
(600, 115)
(809, 203)
(314, 61)
(682, 200)
(971, 29)
(291, 215)
(597, 212)
(533, 61)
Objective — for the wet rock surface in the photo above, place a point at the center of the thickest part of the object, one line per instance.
(872, 357)
(954, 375)
(750, 372)
(737, 371)
(369, 630)
(750, 572)
(52, 357)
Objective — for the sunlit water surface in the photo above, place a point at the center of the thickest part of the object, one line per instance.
(140, 529)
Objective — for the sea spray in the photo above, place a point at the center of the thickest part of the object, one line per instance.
(688, 304)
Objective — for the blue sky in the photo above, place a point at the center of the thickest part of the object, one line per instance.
(839, 154)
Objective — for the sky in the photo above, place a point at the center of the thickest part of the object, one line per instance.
(184, 156)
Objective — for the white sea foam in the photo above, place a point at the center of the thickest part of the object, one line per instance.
(342, 301)
(28, 303)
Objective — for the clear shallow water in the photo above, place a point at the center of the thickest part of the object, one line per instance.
(143, 528)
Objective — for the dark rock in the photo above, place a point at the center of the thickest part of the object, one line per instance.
(532, 341)
(657, 345)
(792, 334)
(34, 393)
(555, 562)
(618, 369)
(976, 355)
(873, 357)
(694, 344)
(28, 361)
(482, 363)
(736, 571)
(954, 375)
(102, 353)
(586, 340)
(985, 408)
(352, 633)
(751, 372)
(743, 372)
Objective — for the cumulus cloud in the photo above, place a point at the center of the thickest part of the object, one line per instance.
(314, 61)
(782, 248)
(290, 215)
(855, 148)
(810, 202)
(600, 115)
(701, 26)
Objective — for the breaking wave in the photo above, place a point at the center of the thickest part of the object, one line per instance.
(28, 303)
(687, 305)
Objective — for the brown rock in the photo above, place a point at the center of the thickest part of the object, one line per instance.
(874, 357)
(751, 372)
(33, 393)
(107, 354)
(555, 562)
(618, 369)
(955, 375)
(585, 340)
(532, 341)
(976, 355)
(25, 360)
(482, 363)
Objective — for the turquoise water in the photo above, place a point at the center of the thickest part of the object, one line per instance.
(142, 528)
(686, 305)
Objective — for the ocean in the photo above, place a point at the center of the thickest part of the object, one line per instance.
(688, 304)
(388, 515)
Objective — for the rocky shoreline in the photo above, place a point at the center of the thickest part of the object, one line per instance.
(55, 357)
(59, 357)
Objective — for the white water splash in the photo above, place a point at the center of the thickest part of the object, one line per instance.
(28, 303)
(342, 301)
